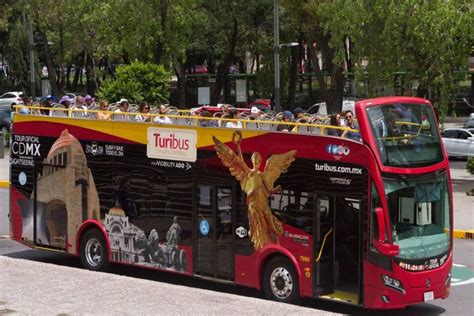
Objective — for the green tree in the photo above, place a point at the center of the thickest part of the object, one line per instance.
(137, 82)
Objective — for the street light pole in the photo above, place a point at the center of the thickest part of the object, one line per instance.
(276, 34)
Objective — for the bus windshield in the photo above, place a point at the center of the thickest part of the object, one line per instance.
(419, 213)
(406, 134)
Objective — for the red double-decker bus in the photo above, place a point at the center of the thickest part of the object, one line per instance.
(364, 220)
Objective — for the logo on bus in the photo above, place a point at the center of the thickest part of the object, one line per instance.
(171, 144)
(338, 150)
(241, 232)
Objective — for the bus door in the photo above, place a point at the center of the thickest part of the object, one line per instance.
(324, 250)
(213, 227)
(337, 251)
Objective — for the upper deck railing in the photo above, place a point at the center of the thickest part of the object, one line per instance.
(307, 125)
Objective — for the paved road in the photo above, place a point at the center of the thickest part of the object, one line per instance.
(25, 274)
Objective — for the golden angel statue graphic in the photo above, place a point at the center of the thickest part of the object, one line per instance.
(265, 228)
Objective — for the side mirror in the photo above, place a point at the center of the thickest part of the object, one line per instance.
(379, 243)
(470, 138)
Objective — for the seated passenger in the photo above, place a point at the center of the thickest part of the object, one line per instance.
(46, 104)
(209, 122)
(254, 113)
(66, 102)
(335, 121)
(144, 115)
(287, 117)
(88, 100)
(103, 107)
(162, 118)
(123, 108)
(233, 115)
(349, 116)
(299, 114)
(81, 106)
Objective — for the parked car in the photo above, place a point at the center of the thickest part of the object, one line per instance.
(470, 122)
(261, 104)
(10, 98)
(459, 142)
(321, 109)
(198, 69)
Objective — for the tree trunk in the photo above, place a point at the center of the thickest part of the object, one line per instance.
(49, 64)
(90, 79)
(77, 73)
(160, 44)
(293, 73)
(223, 68)
(181, 85)
(62, 82)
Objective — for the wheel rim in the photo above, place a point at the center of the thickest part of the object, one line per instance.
(93, 252)
(281, 283)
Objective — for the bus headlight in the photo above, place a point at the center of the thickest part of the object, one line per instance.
(393, 283)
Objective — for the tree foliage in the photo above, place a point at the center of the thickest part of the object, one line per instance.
(137, 82)
(82, 42)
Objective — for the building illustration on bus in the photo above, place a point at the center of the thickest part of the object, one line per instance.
(295, 214)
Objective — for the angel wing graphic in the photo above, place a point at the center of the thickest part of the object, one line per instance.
(265, 228)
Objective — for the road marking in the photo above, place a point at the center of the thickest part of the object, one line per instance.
(471, 280)
(461, 275)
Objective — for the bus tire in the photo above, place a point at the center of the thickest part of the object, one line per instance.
(93, 251)
(280, 281)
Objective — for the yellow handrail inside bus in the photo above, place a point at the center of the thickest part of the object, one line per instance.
(183, 114)
(322, 246)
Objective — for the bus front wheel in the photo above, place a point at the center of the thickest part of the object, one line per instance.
(280, 281)
(93, 251)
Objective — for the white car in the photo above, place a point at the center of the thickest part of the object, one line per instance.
(459, 142)
(10, 98)
(321, 109)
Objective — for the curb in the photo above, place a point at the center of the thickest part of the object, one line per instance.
(463, 234)
(4, 184)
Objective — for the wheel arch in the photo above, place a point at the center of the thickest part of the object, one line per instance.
(274, 251)
(91, 224)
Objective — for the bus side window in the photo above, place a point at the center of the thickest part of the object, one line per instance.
(293, 207)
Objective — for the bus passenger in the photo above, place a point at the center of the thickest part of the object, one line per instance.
(66, 102)
(349, 116)
(123, 108)
(233, 115)
(162, 118)
(287, 117)
(254, 113)
(144, 115)
(89, 101)
(299, 114)
(209, 122)
(46, 103)
(103, 107)
(335, 121)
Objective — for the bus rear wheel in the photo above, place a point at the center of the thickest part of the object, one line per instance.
(93, 251)
(280, 281)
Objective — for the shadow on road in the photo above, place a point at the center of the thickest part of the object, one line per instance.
(152, 275)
